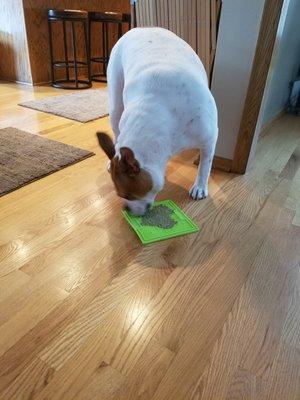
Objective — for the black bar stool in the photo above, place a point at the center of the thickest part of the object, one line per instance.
(105, 18)
(133, 12)
(76, 82)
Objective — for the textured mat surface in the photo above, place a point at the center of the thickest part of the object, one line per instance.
(25, 157)
(83, 106)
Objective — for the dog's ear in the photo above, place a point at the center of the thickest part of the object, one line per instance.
(128, 161)
(106, 144)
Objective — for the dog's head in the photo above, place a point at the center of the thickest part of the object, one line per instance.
(133, 183)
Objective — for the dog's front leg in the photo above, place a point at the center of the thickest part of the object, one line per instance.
(199, 190)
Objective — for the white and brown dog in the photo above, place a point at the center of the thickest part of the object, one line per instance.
(160, 104)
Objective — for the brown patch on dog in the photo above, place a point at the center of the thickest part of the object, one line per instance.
(131, 181)
(106, 144)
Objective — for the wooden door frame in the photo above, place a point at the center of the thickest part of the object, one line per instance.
(260, 68)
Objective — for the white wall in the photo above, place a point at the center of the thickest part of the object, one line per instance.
(237, 38)
(277, 45)
(286, 64)
(14, 56)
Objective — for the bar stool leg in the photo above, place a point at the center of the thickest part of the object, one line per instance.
(66, 50)
(106, 47)
(103, 49)
(90, 47)
(87, 48)
(51, 50)
(74, 55)
(134, 16)
(119, 30)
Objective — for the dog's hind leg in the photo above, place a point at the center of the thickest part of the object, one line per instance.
(199, 190)
(115, 80)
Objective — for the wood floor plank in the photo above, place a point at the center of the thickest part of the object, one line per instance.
(250, 331)
(291, 326)
(15, 360)
(243, 386)
(20, 250)
(263, 223)
(193, 288)
(142, 284)
(3, 320)
(142, 382)
(86, 353)
(294, 194)
(87, 312)
(77, 371)
(28, 317)
(30, 382)
(284, 378)
(105, 383)
(11, 282)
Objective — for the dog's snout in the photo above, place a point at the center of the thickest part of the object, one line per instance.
(137, 207)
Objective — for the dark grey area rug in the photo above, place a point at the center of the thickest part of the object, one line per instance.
(83, 106)
(25, 157)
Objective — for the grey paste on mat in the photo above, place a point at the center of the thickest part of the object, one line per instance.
(160, 216)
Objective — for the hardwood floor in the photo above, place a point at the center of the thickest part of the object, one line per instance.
(88, 313)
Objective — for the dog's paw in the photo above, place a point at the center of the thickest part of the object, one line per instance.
(108, 166)
(198, 192)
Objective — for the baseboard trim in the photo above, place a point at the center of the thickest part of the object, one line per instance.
(42, 83)
(221, 163)
(2, 79)
(268, 124)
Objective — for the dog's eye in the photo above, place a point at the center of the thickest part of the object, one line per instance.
(129, 197)
(125, 196)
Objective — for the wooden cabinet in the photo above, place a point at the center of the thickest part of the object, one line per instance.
(24, 44)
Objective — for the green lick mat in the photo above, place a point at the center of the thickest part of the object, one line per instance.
(150, 234)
